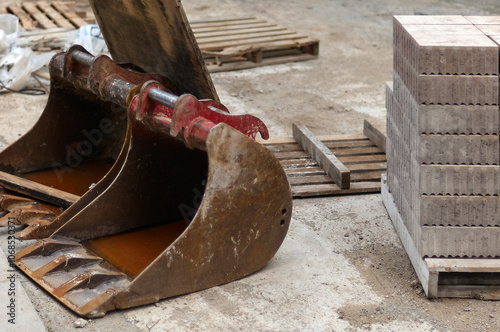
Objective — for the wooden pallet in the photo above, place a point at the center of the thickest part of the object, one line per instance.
(363, 160)
(45, 15)
(446, 277)
(239, 43)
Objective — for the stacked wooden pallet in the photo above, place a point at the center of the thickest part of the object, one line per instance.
(443, 144)
(331, 165)
(239, 43)
(226, 43)
(46, 15)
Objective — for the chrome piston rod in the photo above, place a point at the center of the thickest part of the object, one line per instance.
(162, 97)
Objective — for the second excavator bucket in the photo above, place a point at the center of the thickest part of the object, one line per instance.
(191, 202)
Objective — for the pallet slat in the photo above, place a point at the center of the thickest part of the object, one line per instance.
(236, 34)
(368, 167)
(300, 171)
(54, 15)
(365, 162)
(260, 41)
(339, 153)
(374, 176)
(76, 20)
(333, 189)
(232, 40)
(351, 160)
(334, 145)
(216, 68)
(24, 18)
(223, 21)
(38, 16)
(323, 156)
(232, 28)
(361, 159)
(323, 138)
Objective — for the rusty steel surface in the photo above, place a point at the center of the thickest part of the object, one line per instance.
(233, 217)
(155, 35)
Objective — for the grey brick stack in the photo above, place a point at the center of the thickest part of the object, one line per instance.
(443, 146)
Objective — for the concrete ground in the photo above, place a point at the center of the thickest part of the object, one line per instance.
(341, 266)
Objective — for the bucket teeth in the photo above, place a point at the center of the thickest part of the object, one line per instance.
(88, 279)
(11, 202)
(46, 247)
(66, 262)
(26, 216)
(17, 210)
(35, 230)
(74, 275)
(10, 217)
(99, 305)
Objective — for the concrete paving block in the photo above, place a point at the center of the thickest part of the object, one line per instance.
(407, 74)
(458, 119)
(400, 146)
(390, 162)
(449, 55)
(446, 119)
(479, 20)
(446, 89)
(405, 101)
(489, 29)
(404, 98)
(495, 38)
(439, 241)
(447, 210)
(446, 49)
(408, 216)
(389, 95)
(459, 179)
(459, 149)
(402, 164)
(457, 89)
(432, 19)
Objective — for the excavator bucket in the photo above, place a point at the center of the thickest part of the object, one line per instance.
(192, 201)
(79, 135)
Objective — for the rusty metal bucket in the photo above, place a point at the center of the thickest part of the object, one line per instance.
(192, 201)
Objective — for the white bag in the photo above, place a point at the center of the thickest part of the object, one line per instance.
(9, 30)
(90, 37)
(16, 67)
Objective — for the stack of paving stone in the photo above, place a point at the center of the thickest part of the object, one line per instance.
(443, 133)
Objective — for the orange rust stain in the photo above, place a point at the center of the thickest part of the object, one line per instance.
(75, 180)
(131, 252)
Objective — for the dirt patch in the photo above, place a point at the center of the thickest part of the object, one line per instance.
(389, 273)
(365, 315)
